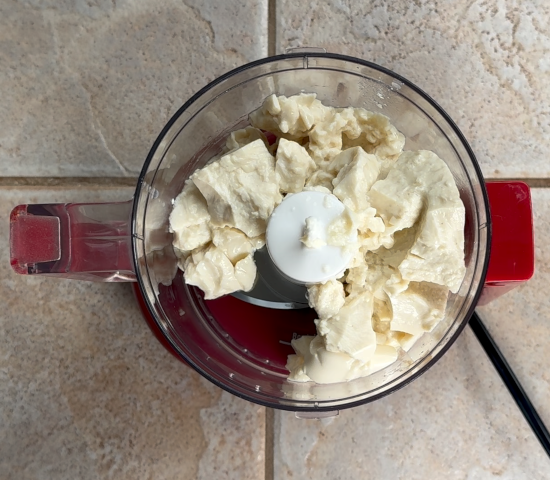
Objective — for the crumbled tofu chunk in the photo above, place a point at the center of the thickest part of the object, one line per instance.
(189, 219)
(192, 236)
(190, 208)
(215, 275)
(355, 179)
(313, 233)
(293, 116)
(378, 136)
(418, 308)
(314, 362)
(437, 255)
(244, 136)
(343, 230)
(326, 298)
(320, 178)
(233, 243)
(293, 166)
(240, 188)
(421, 187)
(350, 330)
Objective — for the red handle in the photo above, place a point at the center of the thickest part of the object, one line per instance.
(73, 240)
(512, 260)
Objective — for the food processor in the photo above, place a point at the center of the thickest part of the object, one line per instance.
(240, 342)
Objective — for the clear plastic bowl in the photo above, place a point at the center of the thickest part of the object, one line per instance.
(238, 346)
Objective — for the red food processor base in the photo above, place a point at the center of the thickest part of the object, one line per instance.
(266, 333)
(512, 260)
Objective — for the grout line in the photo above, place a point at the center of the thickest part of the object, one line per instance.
(68, 182)
(269, 444)
(271, 27)
(73, 182)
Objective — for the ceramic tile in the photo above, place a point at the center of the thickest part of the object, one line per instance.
(485, 62)
(87, 86)
(518, 321)
(87, 392)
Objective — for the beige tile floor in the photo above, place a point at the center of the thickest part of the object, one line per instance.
(87, 86)
(85, 389)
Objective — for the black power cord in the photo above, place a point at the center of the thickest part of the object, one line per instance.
(512, 383)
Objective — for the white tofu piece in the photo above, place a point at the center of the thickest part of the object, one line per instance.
(418, 308)
(384, 355)
(293, 116)
(357, 276)
(244, 136)
(240, 189)
(258, 242)
(190, 208)
(420, 189)
(293, 166)
(377, 136)
(437, 255)
(325, 138)
(214, 274)
(233, 243)
(245, 273)
(355, 179)
(368, 222)
(211, 271)
(313, 233)
(342, 231)
(192, 236)
(398, 340)
(326, 298)
(399, 198)
(377, 275)
(189, 219)
(328, 202)
(350, 330)
(320, 178)
(314, 362)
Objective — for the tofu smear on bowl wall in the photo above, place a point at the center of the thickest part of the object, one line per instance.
(388, 225)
